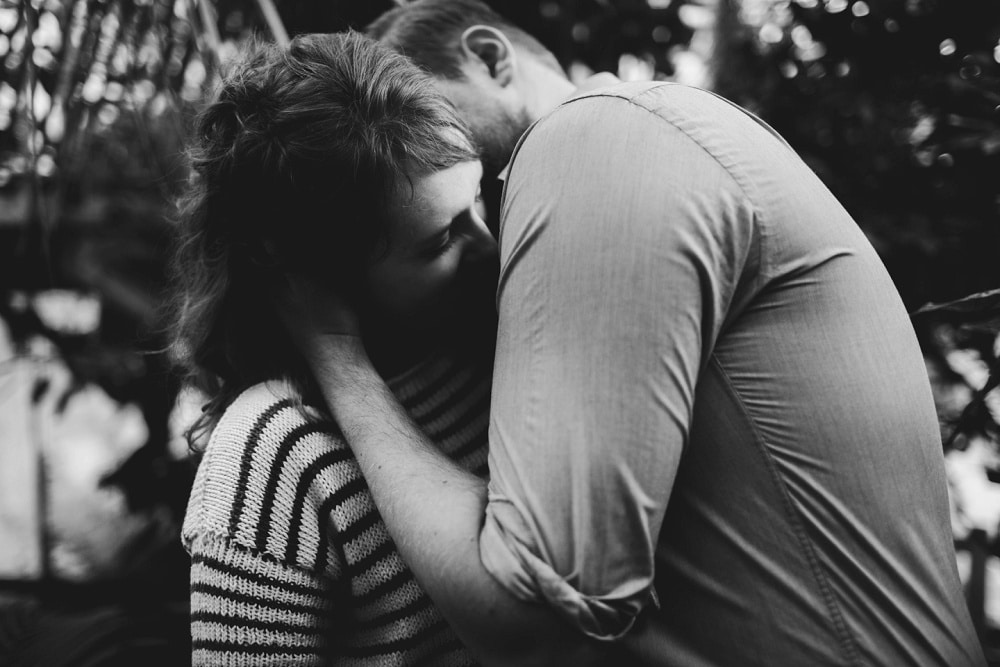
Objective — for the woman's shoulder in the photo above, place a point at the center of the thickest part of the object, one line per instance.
(271, 401)
(271, 415)
(267, 466)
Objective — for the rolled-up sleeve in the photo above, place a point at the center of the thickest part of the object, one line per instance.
(622, 243)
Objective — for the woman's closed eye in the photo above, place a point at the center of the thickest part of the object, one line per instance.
(448, 239)
(446, 246)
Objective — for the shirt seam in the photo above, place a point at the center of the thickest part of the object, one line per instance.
(633, 101)
(757, 218)
(845, 636)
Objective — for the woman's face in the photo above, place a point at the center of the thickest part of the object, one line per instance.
(439, 274)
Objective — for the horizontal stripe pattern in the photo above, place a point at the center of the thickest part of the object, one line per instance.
(233, 654)
(242, 599)
(289, 553)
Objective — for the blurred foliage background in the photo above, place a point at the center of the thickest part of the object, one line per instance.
(894, 103)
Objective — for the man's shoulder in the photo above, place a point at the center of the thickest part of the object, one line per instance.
(640, 114)
(626, 90)
(584, 126)
(664, 99)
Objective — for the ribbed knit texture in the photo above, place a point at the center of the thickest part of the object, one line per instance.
(291, 563)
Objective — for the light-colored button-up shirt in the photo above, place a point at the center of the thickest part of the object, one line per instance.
(712, 432)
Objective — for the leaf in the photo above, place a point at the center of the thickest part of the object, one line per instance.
(977, 409)
(982, 308)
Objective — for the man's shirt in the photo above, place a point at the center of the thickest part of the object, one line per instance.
(712, 432)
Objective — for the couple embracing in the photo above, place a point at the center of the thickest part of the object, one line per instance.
(668, 411)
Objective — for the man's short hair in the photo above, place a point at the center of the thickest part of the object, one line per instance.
(429, 33)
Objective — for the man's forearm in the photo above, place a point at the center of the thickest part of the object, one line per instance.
(434, 511)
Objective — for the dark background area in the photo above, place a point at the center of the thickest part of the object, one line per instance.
(894, 103)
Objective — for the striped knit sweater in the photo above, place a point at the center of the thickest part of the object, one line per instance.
(291, 563)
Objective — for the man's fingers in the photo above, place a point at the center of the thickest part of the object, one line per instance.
(309, 308)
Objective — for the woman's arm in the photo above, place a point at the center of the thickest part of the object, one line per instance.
(246, 605)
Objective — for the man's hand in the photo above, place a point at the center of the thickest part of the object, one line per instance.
(434, 510)
(321, 323)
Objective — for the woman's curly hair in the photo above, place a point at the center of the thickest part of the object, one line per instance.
(292, 166)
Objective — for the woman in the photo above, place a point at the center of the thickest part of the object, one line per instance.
(334, 163)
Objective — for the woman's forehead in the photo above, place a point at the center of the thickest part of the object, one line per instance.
(425, 202)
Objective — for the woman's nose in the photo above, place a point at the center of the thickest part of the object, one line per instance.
(481, 246)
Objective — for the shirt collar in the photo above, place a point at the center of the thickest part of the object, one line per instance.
(591, 83)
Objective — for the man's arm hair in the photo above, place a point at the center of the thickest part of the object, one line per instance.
(434, 511)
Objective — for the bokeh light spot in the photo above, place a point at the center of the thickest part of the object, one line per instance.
(549, 10)
(770, 33)
(45, 166)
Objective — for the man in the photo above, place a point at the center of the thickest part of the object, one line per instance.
(712, 436)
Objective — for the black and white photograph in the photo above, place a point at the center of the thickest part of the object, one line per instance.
(379, 333)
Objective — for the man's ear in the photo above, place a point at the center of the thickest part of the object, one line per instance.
(491, 47)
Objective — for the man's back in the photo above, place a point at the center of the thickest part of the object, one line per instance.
(813, 483)
(743, 371)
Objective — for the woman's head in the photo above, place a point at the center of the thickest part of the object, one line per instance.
(302, 164)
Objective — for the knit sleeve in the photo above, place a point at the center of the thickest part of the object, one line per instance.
(269, 480)
(248, 609)
(267, 566)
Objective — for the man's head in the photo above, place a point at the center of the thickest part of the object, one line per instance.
(323, 159)
(499, 77)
